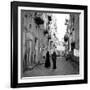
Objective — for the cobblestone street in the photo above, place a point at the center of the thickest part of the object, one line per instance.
(63, 68)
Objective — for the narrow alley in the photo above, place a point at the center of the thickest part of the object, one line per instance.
(46, 35)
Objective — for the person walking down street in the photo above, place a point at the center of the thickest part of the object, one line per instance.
(47, 61)
(54, 59)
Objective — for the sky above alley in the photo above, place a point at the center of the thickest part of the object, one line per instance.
(61, 27)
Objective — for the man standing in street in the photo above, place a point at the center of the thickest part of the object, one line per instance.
(54, 59)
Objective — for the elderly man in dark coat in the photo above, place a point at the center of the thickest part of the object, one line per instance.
(54, 59)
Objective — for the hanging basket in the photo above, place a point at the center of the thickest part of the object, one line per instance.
(66, 38)
(45, 32)
(38, 21)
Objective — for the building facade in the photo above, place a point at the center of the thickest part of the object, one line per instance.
(36, 28)
(73, 30)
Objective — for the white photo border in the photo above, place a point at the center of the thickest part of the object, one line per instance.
(58, 77)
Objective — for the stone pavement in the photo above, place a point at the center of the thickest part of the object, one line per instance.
(63, 68)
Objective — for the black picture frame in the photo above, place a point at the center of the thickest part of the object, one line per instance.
(14, 44)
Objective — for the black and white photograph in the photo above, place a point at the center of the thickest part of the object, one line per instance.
(50, 44)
